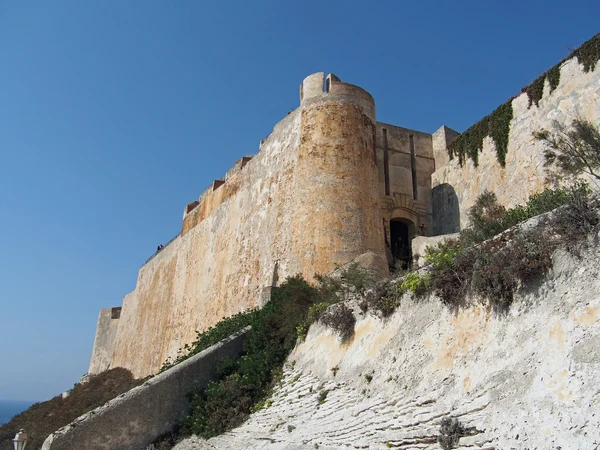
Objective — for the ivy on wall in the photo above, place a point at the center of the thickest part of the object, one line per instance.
(588, 54)
(497, 125)
(470, 143)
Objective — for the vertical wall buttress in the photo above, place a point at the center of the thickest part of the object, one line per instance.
(337, 212)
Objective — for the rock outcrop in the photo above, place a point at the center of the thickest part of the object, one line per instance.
(528, 378)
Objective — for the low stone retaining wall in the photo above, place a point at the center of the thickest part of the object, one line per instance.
(135, 419)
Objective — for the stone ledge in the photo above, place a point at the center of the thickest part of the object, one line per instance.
(137, 418)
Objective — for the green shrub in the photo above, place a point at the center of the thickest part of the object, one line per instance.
(443, 255)
(574, 149)
(329, 288)
(485, 218)
(578, 219)
(495, 268)
(488, 218)
(357, 278)
(415, 283)
(302, 330)
(502, 264)
(316, 311)
(223, 329)
(547, 200)
(227, 401)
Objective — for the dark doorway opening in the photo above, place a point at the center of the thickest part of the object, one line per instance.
(401, 233)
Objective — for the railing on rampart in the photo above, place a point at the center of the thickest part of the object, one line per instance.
(162, 247)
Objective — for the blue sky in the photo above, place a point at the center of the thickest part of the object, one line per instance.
(114, 115)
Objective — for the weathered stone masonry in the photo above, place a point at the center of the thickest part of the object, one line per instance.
(329, 183)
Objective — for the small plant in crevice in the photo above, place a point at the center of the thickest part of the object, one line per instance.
(369, 378)
(451, 430)
(323, 396)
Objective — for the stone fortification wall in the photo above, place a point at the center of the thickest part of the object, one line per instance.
(337, 210)
(405, 187)
(137, 418)
(104, 341)
(578, 93)
(398, 143)
(307, 202)
(225, 257)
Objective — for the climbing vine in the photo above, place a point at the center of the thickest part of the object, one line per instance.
(497, 125)
(588, 54)
(554, 77)
(535, 90)
(499, 129)
(470, 143)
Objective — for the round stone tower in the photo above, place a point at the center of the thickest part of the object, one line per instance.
(337, 214)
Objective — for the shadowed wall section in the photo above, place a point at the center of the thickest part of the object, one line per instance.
(446, 210)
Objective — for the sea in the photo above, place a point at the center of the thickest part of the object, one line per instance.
(10, 408)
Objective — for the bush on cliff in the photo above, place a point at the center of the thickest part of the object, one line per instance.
(227, 402)
(495, 268)
(44, 418)
(488, 218)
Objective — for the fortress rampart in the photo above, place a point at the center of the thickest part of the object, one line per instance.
(576, 94)
(328, 184)
(305, 203)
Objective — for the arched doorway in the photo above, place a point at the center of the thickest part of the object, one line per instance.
(402, 231)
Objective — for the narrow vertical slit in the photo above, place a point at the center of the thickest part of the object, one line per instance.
(386, 163)
(413, 166)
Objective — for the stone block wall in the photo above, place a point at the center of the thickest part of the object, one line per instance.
(578, 94)
(222, 261)
(104, 342)
(306, 203)
(408, 152)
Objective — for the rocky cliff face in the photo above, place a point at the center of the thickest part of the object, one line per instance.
(529, 378)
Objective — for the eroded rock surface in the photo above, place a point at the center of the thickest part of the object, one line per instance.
(529, 378)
